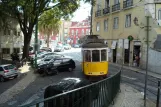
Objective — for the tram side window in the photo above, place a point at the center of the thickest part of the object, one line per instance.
(104, 55)
(87, 56)
(95, 56)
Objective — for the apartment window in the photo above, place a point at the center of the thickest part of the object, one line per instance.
(6, 50)
(116, 23)
(72, 32)
(116, 2)
(98, 4)
(98, 26)
(98, 7)
(87, 31)
(77, 32)
(16, 50)
(106, 3)
(83, 32)
(128, 20)
(159, 14)
(105, 25)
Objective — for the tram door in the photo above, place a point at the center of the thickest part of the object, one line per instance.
(87, 61)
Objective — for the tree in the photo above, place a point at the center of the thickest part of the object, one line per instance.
(49, 22)
(27, 11)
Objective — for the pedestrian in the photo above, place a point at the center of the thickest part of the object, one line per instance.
(137, 60)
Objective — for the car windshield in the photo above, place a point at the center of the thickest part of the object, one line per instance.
(9, 67)
(58, 46)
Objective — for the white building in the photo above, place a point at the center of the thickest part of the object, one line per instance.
(11, 39)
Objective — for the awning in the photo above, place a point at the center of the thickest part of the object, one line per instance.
(113, 46)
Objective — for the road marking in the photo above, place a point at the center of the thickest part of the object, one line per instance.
(128, 77)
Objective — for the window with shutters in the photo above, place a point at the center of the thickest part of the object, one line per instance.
(105, 25)
(116, 23)
(128, 21)
(98, 26)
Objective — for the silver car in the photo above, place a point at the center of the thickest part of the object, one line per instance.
(7, 71)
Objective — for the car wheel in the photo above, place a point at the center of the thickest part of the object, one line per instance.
(2, 79)
(16, 76)
(47, 72)
(70, 69)
(56, 72)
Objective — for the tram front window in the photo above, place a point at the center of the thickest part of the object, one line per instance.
(87, 56)
(95, 56)
(104, 55)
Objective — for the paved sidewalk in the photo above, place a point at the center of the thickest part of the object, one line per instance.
(153, 74)
(130, 97)
(19, 86)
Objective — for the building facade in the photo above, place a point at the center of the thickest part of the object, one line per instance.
(63, 32)
(79, 30)
(119, 23)
(11, 40)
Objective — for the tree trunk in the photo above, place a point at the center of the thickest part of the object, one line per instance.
(27, 38)
(48, 36)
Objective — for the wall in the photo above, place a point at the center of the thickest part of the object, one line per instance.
(121, 32)
(154, 61)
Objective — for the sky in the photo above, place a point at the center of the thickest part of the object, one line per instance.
(83, 12)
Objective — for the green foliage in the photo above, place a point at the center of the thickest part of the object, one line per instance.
(50, 22)
(27, 11)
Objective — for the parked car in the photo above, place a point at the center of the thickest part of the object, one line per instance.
(45, 55)
(67, 46)
(59, 48)
(7, 71)
(46, 49)
(71, 99)
(49, 58)
(56, 65)
(76, 46)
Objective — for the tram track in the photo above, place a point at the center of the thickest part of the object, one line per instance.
(139, 84)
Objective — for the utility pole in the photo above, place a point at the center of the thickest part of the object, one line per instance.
(146, 76)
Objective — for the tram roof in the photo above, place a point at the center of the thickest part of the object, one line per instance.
(94, 45)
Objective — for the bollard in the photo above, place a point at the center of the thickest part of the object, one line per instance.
(158, 94)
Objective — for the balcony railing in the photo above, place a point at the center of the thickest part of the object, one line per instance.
(116, 7)
(98, 13)
(128, 3)
(106, 10)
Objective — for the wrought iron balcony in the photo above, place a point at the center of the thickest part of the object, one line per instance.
(106, 10)
(127, 3)
(116, 7)
(98, 13)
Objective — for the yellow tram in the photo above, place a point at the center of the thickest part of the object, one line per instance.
(94, 57)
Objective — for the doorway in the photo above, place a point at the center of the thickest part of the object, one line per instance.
(114, 55)
(127, 54)
(136, 55)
